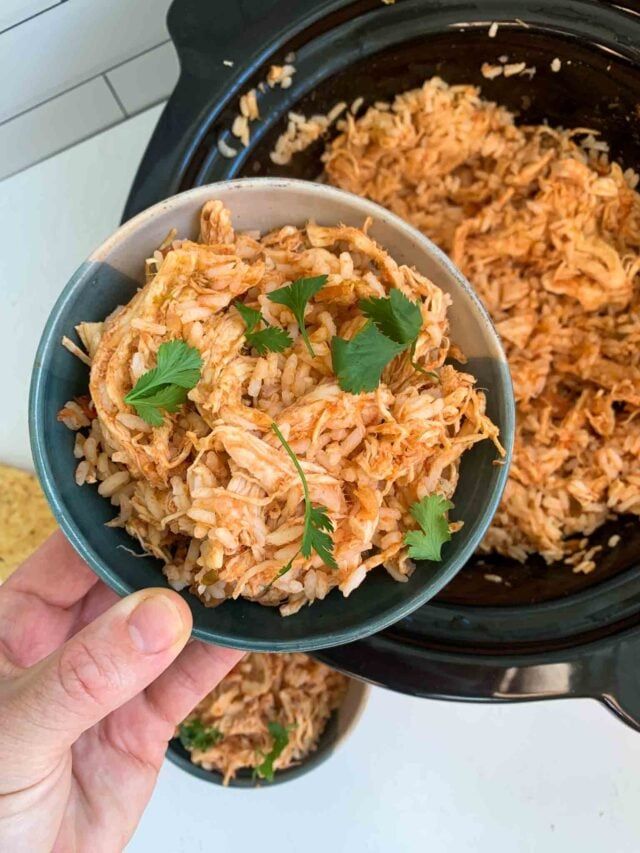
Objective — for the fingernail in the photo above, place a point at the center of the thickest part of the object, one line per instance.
(156, 624)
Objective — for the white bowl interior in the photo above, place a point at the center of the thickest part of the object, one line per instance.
(268, 203)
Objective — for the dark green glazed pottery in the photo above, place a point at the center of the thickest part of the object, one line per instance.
(111, 276)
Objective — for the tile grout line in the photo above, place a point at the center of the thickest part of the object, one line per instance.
(136, 56)
(82, 82)
(162, 100)
(110, 126)
(112, 89)
(31, 17)
(64, 148)
(48, 100)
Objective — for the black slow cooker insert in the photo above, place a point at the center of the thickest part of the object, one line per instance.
(544, 632)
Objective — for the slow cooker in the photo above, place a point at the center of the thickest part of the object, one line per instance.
(544, 632)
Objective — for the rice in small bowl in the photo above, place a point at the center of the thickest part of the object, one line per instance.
(273, 718)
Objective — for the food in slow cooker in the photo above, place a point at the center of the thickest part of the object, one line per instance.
(266, 715)
(547, 230)
(274, 416)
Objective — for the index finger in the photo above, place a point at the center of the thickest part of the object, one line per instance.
(39, 602)
(54, 573)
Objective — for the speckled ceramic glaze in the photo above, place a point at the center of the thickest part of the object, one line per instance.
(111, 276)
(340, 725)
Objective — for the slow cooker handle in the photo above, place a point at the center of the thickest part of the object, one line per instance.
(236, 31)
(242, 34)
(615, 674)
(608, 671)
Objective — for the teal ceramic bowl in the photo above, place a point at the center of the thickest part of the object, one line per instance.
(112, 275)
(339, 726)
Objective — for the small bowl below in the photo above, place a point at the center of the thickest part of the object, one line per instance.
(340, 725)
(111, 276)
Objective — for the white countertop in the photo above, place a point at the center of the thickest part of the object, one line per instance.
(416, 775)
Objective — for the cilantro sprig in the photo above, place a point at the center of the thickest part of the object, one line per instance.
(431, 515)
(394, 323)
(397, 317)
(164, 387)
(194, 734)
(295, 297)
(358, 363)
(280, 735)
(317, 524)
(269, 339)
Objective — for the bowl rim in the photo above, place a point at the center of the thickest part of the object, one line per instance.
(194, 197)
(290, 774)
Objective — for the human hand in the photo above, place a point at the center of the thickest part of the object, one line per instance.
(91, 690)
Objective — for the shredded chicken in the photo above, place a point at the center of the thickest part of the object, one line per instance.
(290, 689)
(547, 230)
(212, 492)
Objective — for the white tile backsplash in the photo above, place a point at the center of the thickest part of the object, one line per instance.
(60, 122)
(52, 217)
(14, 11)
(147, 79)
(72, 42)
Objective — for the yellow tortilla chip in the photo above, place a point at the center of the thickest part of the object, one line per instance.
(25, 518)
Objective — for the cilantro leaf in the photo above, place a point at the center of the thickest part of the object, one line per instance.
(250, 316)
(317, 524)
(177, 364)
(168, 398)
(395, 316)
(295, 297)
(181, 362)
(165, 386)
(314, 537)
(431, 515)
(151, 414)
(280, 735)
(194, 734)
(358, 363)
(270, 339)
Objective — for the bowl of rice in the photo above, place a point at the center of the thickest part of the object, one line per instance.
(282, 401)
(272, 719)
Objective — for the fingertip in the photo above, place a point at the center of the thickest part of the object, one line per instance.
(178, 601)
(158, 621)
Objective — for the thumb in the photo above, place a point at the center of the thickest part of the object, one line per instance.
(99, 669)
